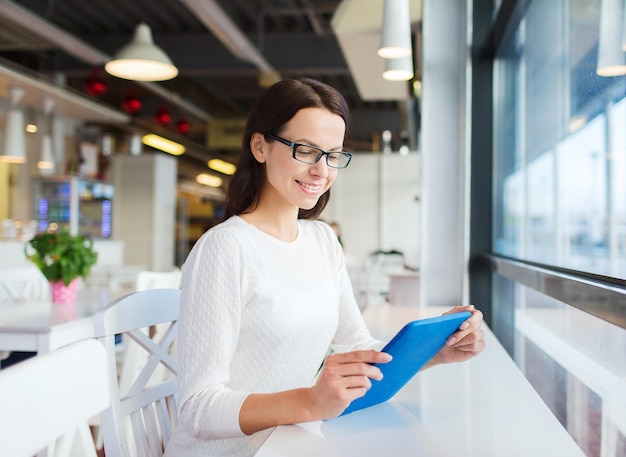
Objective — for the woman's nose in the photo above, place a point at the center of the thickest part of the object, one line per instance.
(320, 168)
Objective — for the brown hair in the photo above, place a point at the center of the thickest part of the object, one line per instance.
(271, 112)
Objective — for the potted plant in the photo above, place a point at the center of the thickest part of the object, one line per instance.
(62, 258)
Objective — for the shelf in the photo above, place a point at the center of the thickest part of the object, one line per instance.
(67, 104)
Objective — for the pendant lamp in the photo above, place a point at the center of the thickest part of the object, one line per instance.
(400, 69)
(396, 32)
(46, 162)
(141, 59)
(13, 142)
(611, 56)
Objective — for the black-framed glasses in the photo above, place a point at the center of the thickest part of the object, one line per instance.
(306, 153)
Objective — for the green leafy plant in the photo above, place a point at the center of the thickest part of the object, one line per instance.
(61, 256)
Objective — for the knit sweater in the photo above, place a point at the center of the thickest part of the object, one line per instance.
(257, 315)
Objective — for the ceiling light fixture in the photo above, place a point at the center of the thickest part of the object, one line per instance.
(14, 143)
(94, 85)
(222, 166)
(209, 180)
(141, 59)
(611, 57)
(400, 69)
(163, 144)
(46, 162)
(417, 88)
(182, 125)
(12, 13)
(396, 31)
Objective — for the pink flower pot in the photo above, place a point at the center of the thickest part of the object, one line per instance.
(62, 294)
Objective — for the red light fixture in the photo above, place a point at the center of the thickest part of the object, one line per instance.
(182, 126)
(131, 104)
(163, 116)
(94, 85)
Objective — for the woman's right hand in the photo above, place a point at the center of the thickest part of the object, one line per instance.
(343, 378)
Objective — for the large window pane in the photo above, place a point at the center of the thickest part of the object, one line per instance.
(575, 361)
(560, 143)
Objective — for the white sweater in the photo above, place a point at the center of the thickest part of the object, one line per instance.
(257, 315)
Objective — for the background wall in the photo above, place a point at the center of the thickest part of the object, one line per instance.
(144, 209)
(376, 203)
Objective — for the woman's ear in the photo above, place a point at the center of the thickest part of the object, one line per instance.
(257, 145)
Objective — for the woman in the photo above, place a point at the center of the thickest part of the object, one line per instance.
(265, 294)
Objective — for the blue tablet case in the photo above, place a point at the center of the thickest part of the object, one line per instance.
(412, 347)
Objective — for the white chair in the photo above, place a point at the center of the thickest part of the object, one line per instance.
(47, 400)
(158, 280)
(134, 357)
(140, 421)
(23, 284)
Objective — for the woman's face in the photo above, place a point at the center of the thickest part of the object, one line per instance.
(293, 183)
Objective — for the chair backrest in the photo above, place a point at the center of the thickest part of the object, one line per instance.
(45, 401)
(158, 280)
(134, 356)
(23, 284)
(140, 421)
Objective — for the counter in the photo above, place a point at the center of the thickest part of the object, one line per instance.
(482, 408)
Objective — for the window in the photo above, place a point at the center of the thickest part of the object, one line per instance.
(561, 159)
(560, 201)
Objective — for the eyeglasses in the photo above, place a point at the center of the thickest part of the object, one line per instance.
(306, 153)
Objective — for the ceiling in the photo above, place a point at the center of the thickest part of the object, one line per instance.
(224, 50)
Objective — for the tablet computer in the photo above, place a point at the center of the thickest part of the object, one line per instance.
(412, 347)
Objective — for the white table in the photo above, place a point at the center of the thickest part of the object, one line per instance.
(482, 408)
(42, 327)
(404, 288)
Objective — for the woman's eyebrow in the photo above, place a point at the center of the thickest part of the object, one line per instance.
(312, 143)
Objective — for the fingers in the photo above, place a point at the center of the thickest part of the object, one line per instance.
(458, 309)
(368, 356)
(469, 331)
(345, 377)
(474, 342)
(356, 364)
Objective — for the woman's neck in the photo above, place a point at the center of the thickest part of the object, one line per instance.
(280, 225)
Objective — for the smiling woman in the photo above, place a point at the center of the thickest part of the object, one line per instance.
(266, 294)
(290, 184)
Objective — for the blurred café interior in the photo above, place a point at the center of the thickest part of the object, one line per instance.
(489, 162)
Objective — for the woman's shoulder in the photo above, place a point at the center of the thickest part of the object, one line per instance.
(319, 230)
(227, 232)
(317, 226)
(233, 225)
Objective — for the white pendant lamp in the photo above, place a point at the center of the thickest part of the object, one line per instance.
(46, 162)
(396, 32)
(611, 56)
(141, 59)
(400, 69)
(13, 142)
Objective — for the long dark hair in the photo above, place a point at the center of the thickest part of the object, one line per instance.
(272, 111)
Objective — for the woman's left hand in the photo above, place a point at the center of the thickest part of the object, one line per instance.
(467, 342)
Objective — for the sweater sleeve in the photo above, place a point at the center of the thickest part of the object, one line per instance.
(209, 324)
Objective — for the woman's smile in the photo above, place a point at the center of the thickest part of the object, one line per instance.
(311, 188)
